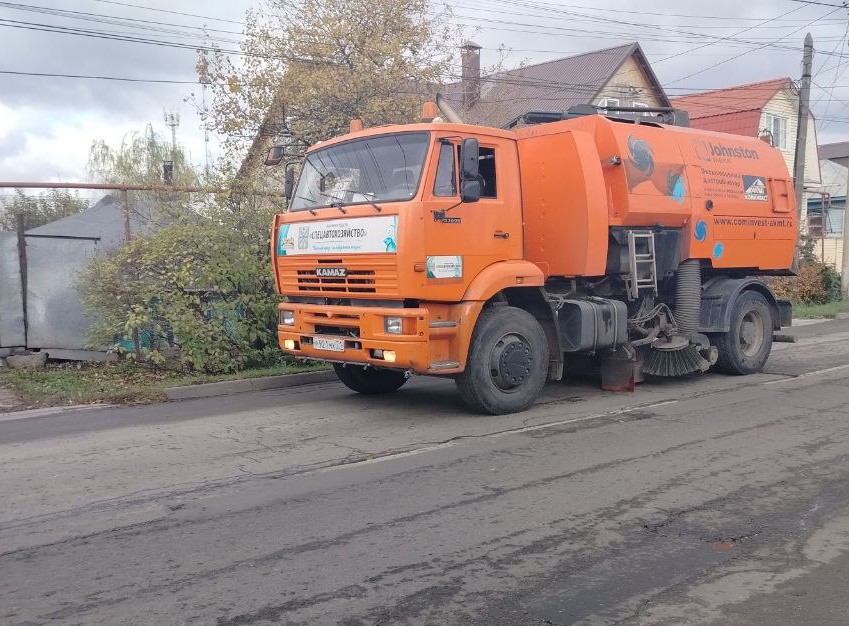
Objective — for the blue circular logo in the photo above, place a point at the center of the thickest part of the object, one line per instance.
(640, 155)
(718, 249)
(701, 230)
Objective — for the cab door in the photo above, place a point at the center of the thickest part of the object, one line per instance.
(461, 238)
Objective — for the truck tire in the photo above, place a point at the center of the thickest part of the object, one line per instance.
(745, 348)
(508, 362)
(369, 381)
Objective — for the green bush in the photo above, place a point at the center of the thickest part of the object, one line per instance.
(832, 283)
(202, 290)
(816, 283)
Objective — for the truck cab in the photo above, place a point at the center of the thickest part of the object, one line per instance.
(385, 234)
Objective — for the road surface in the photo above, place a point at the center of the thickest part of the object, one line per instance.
(714, 500)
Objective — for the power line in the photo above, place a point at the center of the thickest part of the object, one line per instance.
(108, 19)
(548, 6)
(824, 4)
(710, 67)
(137, 6)
(519, 82)
(739, 32)
(92, 77)
(141, 40)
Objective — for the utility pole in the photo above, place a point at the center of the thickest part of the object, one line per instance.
(802, 127)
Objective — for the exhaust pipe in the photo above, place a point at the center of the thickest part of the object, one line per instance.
(447, 110)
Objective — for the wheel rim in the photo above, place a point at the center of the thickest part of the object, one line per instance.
(510, 362)
(752, 333)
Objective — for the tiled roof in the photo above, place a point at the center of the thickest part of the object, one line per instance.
(733, 109)
(551, 86)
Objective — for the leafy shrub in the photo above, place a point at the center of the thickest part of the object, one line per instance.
(203, 289)
(832, 282)
(816, 283)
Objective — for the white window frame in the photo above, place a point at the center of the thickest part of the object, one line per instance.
(607, 102)
(779, 138)
(640, 105)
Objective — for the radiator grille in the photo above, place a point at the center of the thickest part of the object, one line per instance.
(366, 274)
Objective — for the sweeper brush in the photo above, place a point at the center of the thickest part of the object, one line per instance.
(677, 356)
(674, 358)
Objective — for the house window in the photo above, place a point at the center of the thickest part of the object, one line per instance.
(825, 224)
(640, 105)
(608, 102)
(777, 126)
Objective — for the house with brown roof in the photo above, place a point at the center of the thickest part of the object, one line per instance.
(767, 109)
(618, 76)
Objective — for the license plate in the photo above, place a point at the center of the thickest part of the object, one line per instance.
(333, 345)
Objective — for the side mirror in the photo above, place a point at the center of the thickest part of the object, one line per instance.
(469, 159)
(470, 190)
(289, 181)
(275, 155)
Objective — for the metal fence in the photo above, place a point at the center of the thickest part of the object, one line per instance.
(40, 306)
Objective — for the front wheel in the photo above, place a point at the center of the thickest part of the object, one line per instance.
(745, 348)
(508, 362)
(369, 380)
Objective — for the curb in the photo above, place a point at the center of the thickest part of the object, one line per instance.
(226, 387)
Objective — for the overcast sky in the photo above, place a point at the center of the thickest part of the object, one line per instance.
(48, 123)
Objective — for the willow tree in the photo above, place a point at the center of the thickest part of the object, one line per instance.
(139, 160)
(196, 281)
(307, 68)
(32, 210)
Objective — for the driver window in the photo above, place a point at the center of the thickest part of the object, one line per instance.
(446, 172)
(486, 173)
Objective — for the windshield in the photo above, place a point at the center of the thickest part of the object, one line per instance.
(377, 169)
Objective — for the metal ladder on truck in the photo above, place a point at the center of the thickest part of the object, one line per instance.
(643, 266)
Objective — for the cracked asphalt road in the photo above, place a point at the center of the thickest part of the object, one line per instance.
(712, 500)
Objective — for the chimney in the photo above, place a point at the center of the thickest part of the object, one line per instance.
(470, 58)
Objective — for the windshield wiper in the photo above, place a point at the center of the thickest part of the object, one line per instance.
(305, 199)
(335, 203)
(376, 206)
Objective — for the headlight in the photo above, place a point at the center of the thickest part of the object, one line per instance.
(393, 325)
(287, 318)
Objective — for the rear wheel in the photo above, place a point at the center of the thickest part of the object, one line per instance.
(745, 348)
(369, 380)
(508, 362)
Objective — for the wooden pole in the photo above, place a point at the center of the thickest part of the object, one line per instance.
(802, 126)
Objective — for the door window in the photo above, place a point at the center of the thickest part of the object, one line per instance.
(446, 172)
(486, 170)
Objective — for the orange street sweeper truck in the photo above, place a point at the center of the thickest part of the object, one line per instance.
(629, 244)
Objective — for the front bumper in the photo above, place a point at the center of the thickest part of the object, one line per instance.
(432, 342)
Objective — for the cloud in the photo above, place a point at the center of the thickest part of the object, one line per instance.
(48, 124)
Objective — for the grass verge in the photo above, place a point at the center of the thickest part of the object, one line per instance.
(116, 383)
(830, 310)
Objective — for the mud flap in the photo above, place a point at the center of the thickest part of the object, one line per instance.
(621, 371)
